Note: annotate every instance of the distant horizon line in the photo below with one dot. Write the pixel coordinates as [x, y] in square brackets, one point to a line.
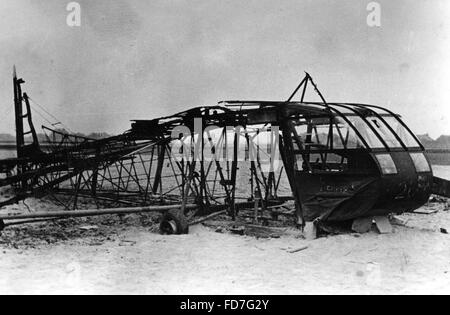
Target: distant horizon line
[112, 134]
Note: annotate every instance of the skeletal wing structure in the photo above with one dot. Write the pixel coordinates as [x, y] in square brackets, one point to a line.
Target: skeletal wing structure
[336, 161]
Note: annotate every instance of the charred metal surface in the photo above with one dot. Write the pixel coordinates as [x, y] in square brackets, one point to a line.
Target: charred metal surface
[441, 187]
[342, 161]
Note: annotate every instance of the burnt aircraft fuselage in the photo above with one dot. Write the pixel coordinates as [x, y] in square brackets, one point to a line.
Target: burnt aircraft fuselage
[358, 161]
[346, 161]
[343, 161]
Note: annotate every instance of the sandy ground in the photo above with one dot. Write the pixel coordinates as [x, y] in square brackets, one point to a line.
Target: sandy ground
[127, 256]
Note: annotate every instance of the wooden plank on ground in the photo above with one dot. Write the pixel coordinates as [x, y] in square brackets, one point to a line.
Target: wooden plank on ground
[383, 225]
[426, 211]
[441, 187]
[263, 231]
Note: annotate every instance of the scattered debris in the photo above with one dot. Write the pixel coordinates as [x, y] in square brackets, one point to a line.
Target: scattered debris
[362, 225]
[425, 211]
[298, 250]
[437, 199]
[383, 225]
[310, 231]
[441, 187]
[397, 221]
[219, 230]
[89, 227]
[334, 228]
[127, 243]
[70, 231]
[96, 243]
[237, 230]
[263, 231]
[208, 217]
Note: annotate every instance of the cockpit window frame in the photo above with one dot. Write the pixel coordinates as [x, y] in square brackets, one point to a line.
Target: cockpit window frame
[364, 112]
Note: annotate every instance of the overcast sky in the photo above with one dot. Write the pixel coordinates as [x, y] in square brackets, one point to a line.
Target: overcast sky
[136, 59]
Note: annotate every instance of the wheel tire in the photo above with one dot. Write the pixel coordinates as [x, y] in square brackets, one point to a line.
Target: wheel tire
[174, 222]
[2, 226]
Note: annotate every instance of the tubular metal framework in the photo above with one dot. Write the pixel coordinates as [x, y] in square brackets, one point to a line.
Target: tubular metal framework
[226, 157]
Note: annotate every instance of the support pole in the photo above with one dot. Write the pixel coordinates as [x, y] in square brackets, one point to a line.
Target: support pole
[90, 213]
[20, 139]
[161, 157]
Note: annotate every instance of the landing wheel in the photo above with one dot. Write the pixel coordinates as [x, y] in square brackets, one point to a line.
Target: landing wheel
[2, 226]
[174, 222]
